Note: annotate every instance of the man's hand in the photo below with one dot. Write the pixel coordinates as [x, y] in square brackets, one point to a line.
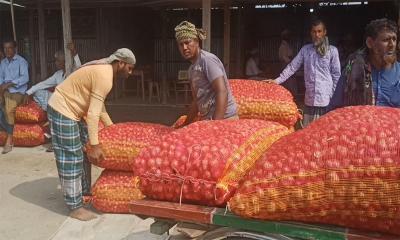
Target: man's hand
[26, 99]
[95, 153]
[270, 81]
[4, 87]
[71, 47]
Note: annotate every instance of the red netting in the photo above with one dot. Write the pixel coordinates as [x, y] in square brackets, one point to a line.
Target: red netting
[260, 100]
[25, 135]
[113, 191]
[343, 169]
[30, 113]
[203, 162]
[122, 142]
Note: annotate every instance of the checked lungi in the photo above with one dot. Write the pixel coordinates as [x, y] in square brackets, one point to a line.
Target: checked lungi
[74, 170]
[312, 113]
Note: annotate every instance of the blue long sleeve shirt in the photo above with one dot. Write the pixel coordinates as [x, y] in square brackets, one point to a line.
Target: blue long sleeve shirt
[15, 71]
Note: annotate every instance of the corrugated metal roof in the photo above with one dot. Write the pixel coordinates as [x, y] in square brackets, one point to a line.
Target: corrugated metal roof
[164, 3]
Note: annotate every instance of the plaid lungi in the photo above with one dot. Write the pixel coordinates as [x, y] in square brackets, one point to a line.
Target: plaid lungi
[74, 170]
[312, 113]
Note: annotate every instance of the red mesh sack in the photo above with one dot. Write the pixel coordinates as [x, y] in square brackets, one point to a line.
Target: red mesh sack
[203, 162]
[113, 191]
[260, 100]
[122, 142]
[30, 113]
[343, 169]
[3, 137]
[28, 135]
[179, 122]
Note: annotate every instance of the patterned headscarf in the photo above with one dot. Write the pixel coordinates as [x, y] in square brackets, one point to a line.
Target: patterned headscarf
[322, 47]
[187, 30]
[122, 54]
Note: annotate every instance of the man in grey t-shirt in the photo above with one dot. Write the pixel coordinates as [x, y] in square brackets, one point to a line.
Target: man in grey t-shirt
[212, 96]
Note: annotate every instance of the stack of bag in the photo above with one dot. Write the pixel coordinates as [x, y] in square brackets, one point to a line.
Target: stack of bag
[343, 169]
[28, 129]
[122, 143]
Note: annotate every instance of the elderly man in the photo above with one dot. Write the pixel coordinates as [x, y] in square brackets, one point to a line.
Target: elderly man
[40, 92]
[372, 76]
[212, 97]
[81, 95]
[321, 72]
[14, 78]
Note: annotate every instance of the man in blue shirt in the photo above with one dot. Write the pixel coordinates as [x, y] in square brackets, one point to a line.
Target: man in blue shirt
[14, 78]
[373, 74]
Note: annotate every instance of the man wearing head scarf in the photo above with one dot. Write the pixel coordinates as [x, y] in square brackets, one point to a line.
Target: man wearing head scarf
[212, 97]
[321, 72]
[81, 95]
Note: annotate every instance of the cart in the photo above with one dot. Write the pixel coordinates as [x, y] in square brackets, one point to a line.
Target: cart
[217, 223]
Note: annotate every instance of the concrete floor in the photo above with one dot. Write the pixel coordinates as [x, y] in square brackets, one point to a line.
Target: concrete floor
[31, 202]
[32, 206]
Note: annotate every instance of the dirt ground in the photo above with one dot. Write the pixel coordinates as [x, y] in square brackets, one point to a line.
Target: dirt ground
[31, 202]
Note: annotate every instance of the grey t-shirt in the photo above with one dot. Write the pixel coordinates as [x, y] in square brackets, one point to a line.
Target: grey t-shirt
[202, 73]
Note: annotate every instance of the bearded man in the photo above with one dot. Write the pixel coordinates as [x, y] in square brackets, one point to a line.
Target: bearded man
[373, 73]
[80, 96]
[321, 72]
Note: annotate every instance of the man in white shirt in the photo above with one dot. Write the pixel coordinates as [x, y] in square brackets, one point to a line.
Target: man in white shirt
[285, 57]
[252, 70]
[40, 91]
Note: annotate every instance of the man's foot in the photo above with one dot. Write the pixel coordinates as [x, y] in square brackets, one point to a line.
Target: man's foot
[7, 149]
[82, 214]
[50, 148]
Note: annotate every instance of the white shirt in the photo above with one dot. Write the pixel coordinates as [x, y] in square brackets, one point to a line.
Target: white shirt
[57, 78]
[252, 68]
[285, 53]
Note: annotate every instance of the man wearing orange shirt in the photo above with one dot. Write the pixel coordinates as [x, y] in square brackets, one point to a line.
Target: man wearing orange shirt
[82, 94]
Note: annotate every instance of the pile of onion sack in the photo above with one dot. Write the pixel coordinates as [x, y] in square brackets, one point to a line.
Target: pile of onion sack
[113, 191]
[121, 144]
[28, 128]
[343, 169]
[266, 101]
[203, 162]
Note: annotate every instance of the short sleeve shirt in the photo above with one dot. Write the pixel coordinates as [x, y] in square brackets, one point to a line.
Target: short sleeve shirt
[202, 73]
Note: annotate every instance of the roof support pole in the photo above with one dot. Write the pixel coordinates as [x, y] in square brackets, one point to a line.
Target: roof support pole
[42, 40]
[66, 21]
[164, 84]
[227, 36]
[206, 17]
[13, 19]
[239, 66]
[32, 41]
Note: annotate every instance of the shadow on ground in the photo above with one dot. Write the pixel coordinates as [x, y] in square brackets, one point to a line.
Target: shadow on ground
[44, 192]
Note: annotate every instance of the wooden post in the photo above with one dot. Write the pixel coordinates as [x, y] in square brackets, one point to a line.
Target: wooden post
[164, 84]
[66, 21]
[32, 47]
[206, 19]
[13, 19]
[42, 41]
[239, 67]
[227, 36]
[99, 32]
